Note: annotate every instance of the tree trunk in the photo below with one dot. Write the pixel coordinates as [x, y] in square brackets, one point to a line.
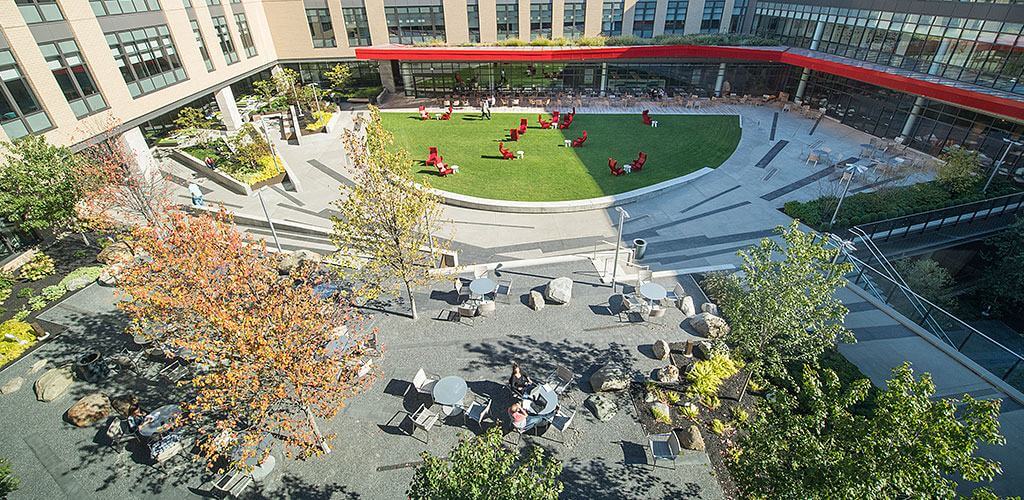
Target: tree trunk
[85, 239]
[746, 382]
[412, 300]
[316, 430]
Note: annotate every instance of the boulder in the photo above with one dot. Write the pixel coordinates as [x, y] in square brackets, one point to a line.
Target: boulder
[603, 406]
[686, 306]
[559, 290]
[668, 374]
[115, 253]
[702, 350]
[12, 385]
[661, 349]
[89, 410]
[125, 404]
[78, 283]
[38, 365]
[709, 325]
[662, 409]
[609, 378]
[53, 383]
[691, 438]
[109, 274]
[291, 260]
[536, 300]
[709, 307]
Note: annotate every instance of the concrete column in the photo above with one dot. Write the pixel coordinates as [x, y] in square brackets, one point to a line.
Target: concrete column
[659, 17]
[592, 19]
[524, 20]
[819, 30]
[915, 112]
[694, 12]
[228, 108]
[628, 15]
[387, 77]
[726, 16]
[488, 20]
[377, 21]
[720, 80]
[136, 144]
[802, 86]
[456, 21]
[604, 78]
[557, 19]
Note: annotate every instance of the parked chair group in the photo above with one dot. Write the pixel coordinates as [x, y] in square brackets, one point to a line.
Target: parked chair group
[543, 124]
[513, 134]
[433, 158]
[638, 163]
[615, 168]
[522, 126]
[645, 116]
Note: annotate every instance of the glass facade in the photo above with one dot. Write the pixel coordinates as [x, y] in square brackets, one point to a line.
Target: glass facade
[20, 112]
[356, 26]
[675, 17]
[201, 43]
[611, 18]
[147, 58]
[507, 15]
[739, 10]
[573, 20]
[227, 46]
[409, 25]
[711, 18]
[540, 19]
[473, 20]
[73, 77]
[321, 29]
[364, 73]
[114, 7]
[242, 25]
[39, 11]
[643, 18]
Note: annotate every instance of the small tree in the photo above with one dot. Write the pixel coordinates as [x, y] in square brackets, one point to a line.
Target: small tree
[192, 120]
[339, 76]
[250, 149]
[275, 356]
[8, 481]
[40, 185]
[812, 445]
[389, 221]
[481, 467]
[1003, 275]
[788, 311]
[928, 279]
[961, 171]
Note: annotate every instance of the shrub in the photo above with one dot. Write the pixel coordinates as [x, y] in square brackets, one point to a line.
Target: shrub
[11, 349]
[739, 414]
[26, 293]
[661, 416]
[91, 272]
[722, 287]
[707, 376]
[719, 427]
[322, 118]
[20, 315]
[961, 170]
[38, 268]
[672, 397]
[6, 285]
[36, 303]
[52, 292]
[690, 411]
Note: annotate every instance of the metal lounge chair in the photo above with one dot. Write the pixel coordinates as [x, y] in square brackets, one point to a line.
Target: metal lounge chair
[504, 290]
[562, 421]
[561, 379]
[479, 408]
[664, 447]
[423, 419]
[424, 383]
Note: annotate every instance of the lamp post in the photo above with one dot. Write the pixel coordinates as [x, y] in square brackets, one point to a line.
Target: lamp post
[316, 97]
[848, 178]
[999, 164]
[618, 242]
[259, 193]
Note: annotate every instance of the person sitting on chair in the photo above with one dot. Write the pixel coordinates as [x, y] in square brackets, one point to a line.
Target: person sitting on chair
[518, 382]
[522, 420]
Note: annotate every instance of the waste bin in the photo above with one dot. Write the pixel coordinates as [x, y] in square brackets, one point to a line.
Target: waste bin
[639, 248]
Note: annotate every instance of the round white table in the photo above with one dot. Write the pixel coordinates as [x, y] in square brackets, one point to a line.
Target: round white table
[482, 286]
[158, 420]
[652, 291]
[540, 394]
[450, 391]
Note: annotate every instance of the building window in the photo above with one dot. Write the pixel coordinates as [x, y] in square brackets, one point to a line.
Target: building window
[212, 3]
[540, 19]
[201, 43]
[739, 11]
[573, 20]
[187, 3]
[611, 19]
[711, 20]
[245, 35]
[39, 11]
[73, 77]
[147, 58]
[675, 17]
[409, 25]
[20, 113]
[321, 29]
[356, 25]
[220, 25]
[473, 20]
[507, 15]
[643, 18]
[113, 7]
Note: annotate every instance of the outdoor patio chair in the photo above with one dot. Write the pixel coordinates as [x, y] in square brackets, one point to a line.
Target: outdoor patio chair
[480, 273]
[119, 433]
[486, 309]
[664, 447]
[423, 419]
[424, 383]
[468, 311]
[561, 422]
[232, 483]
[504, 291]
[477, 410]
[643, 276]
[461, 289]
[578, 142]
[174, 371]
[562, 379]
[615, 168]
[675, 295]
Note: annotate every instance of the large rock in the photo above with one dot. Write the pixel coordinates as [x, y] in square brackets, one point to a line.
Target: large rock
[686, 306]
[109, 274]
[668, 374]
[559, 290]
[12, 385]
[691, 439]
[38, 365]
[709, 307]
[536, 300]
[115, 253]
[89, 410]
[53, 383]
[661, 349]
[125, 404]
[609, 378]
[709, 325]
[603, 406]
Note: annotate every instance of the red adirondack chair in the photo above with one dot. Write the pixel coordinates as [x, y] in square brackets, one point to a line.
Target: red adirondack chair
[638, 163]
[448, 114]
[423, 113]
[443, 170]
[578, 142]
[615, 168]
[522, 126]
[506, 154]
[543, 124]
[433, 158]
[554, 116]
[513, 134]
[566, 122]
[646, 117]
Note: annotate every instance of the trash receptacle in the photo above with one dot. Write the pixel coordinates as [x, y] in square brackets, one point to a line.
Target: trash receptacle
[639, 248]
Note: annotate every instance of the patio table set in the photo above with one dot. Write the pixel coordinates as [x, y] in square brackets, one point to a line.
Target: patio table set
[478, 298]
[649, 300]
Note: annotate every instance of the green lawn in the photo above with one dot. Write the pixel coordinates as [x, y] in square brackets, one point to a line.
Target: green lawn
[550, 172]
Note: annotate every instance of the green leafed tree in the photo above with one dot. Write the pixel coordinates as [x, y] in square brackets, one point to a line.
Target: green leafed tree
[8, 481]
[788, 311]
[39, 184]
[388, 221]
[191, 120]
[339, 76]
[481, 467]
[961, 171]
[810, 445]
[1003, 276]
[928, 279]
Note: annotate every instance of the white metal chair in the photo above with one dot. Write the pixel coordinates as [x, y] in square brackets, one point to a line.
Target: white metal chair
[424, 383]
[562, 421]
[477, 410]
[664, 447]
[468, 311]
[675, 295]
[423, 419]
[504, 291]
[460, 289]
[561, 379]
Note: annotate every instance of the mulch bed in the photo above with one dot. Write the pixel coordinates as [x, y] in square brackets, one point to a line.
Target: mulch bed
[68, 253]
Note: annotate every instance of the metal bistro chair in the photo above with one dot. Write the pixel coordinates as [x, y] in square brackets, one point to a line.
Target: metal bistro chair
[675, 295]
[423, 419]
[477, 410]
[562, 379]
[424, 383]
[664, 447]
[504, 291]
[232, 483]
[468, 311]
[561, 422]
[461, 289]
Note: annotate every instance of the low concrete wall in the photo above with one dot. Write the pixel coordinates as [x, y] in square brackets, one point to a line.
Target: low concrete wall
[224, 180]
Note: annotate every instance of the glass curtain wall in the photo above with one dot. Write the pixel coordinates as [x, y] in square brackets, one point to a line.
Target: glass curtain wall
[643, 18]
[711, 18]
[356, 26]
[611, 18]
[675, 17]
[507, 15]
[473, 20]
[540, 19]
[573, 20]
[410, 25]
[321, 28]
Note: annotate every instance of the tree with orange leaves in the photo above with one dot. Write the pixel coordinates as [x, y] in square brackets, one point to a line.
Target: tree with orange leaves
[271, 355]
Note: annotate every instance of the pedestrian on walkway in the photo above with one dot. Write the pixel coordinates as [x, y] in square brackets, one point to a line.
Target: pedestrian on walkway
[197, 195]
[485, 109]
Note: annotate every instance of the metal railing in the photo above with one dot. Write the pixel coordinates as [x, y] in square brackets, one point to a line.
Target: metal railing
[966, 213]
[987, 352]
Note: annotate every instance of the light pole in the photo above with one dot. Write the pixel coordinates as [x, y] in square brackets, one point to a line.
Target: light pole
[618, 242]
[259, 193]
[316, 97]
[270, 144]
[999, 164]
[848, 177]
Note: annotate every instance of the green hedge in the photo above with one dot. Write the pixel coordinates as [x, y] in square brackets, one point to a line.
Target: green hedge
[862, 208]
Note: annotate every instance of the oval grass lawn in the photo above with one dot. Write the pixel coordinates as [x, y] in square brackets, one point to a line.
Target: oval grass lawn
[681, 144]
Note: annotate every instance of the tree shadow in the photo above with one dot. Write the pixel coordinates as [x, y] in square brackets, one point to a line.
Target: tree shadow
[295, 487]
[598, 478]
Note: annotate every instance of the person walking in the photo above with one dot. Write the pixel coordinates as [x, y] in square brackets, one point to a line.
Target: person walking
[485, 109]
[197, 195]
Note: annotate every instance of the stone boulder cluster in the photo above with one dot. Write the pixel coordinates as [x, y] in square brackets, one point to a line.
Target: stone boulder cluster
[608, 378]
[710, 325]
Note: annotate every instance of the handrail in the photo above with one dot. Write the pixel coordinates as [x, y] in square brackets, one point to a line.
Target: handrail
[961, 209]
[951, 207]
